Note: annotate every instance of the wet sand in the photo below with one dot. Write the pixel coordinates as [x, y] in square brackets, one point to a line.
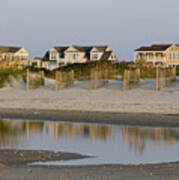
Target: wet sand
[13, 166]
[169, 171]
[10, 157]
[139, 119]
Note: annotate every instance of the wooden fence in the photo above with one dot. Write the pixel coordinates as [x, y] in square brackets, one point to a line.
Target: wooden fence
[113, 73]
[34, 79]
[131, 78]
[98, 78]
[164, 77]
[64, 79]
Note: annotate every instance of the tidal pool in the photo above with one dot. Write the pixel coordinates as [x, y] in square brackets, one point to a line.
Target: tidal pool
[108, 144]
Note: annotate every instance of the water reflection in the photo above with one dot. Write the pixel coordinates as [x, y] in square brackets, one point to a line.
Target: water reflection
[71, 130]
[15, 133]
[10, 132]
[137, 138]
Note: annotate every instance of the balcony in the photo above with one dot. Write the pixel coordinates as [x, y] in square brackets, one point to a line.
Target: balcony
[155, 59]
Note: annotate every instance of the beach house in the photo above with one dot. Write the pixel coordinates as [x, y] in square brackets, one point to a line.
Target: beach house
[7, 52]
[162, 54]
[79, 54]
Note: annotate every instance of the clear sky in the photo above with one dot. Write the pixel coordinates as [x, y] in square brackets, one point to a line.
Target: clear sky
[124, 25]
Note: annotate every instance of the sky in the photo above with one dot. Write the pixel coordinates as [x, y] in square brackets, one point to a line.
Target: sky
[123, 25]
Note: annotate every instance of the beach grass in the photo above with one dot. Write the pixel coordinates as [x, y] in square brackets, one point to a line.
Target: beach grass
[8, 73]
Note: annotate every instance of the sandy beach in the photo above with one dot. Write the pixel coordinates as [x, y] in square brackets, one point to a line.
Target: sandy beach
[142, 99]
[139, 106]
[12, 167]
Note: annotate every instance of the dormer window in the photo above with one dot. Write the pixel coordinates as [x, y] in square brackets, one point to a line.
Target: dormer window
[53, 56]
[95, 56]
[112, 57]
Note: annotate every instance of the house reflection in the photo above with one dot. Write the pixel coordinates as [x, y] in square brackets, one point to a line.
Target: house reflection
[138, 137]
[71, 130]
[14, 133]
[34, 127]
[10, 132]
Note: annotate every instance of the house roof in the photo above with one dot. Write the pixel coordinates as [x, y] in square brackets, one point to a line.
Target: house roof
[46, 56]
[101, 48]
[61, 48]
[106, 55]
[154, 47]
[89, 48]
[83, 48]
[7, 49]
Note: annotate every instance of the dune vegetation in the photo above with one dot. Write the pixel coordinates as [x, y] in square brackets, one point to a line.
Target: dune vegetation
[82, 71]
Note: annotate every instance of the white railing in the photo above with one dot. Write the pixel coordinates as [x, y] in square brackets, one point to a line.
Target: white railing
[155, 59]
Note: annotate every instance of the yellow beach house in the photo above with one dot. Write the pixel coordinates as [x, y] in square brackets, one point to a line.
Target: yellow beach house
[7, 52]
[166, 55]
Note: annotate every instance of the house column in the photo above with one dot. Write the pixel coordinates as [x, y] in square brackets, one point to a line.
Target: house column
[163, 59]
[145, 55]
[154, 59]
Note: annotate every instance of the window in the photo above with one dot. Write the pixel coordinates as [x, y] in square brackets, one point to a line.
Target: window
[95, 56]
[178, 56]
[53, 56]
[23, 57]
[170, 56]
[75, 56]
[113, 57]
[34, 63]
[174, 57]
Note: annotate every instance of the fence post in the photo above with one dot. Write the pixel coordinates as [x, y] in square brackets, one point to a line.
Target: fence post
[128, 79]
[165, 78]
[42, 74]
[157, 78]
[28, 80]
[125, 80]
[174, 73]
[57, 81]
[138, 75]
[42, 77]
[92, 79]
[72, 76]
[96, 80]
[105, 76]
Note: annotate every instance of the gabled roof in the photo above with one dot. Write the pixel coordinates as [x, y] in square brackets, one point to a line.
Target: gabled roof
[83, 48]
[46, 56]
[106, 55]
[61, 48]
[154, 47]
[6, 49]
[101, 48]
